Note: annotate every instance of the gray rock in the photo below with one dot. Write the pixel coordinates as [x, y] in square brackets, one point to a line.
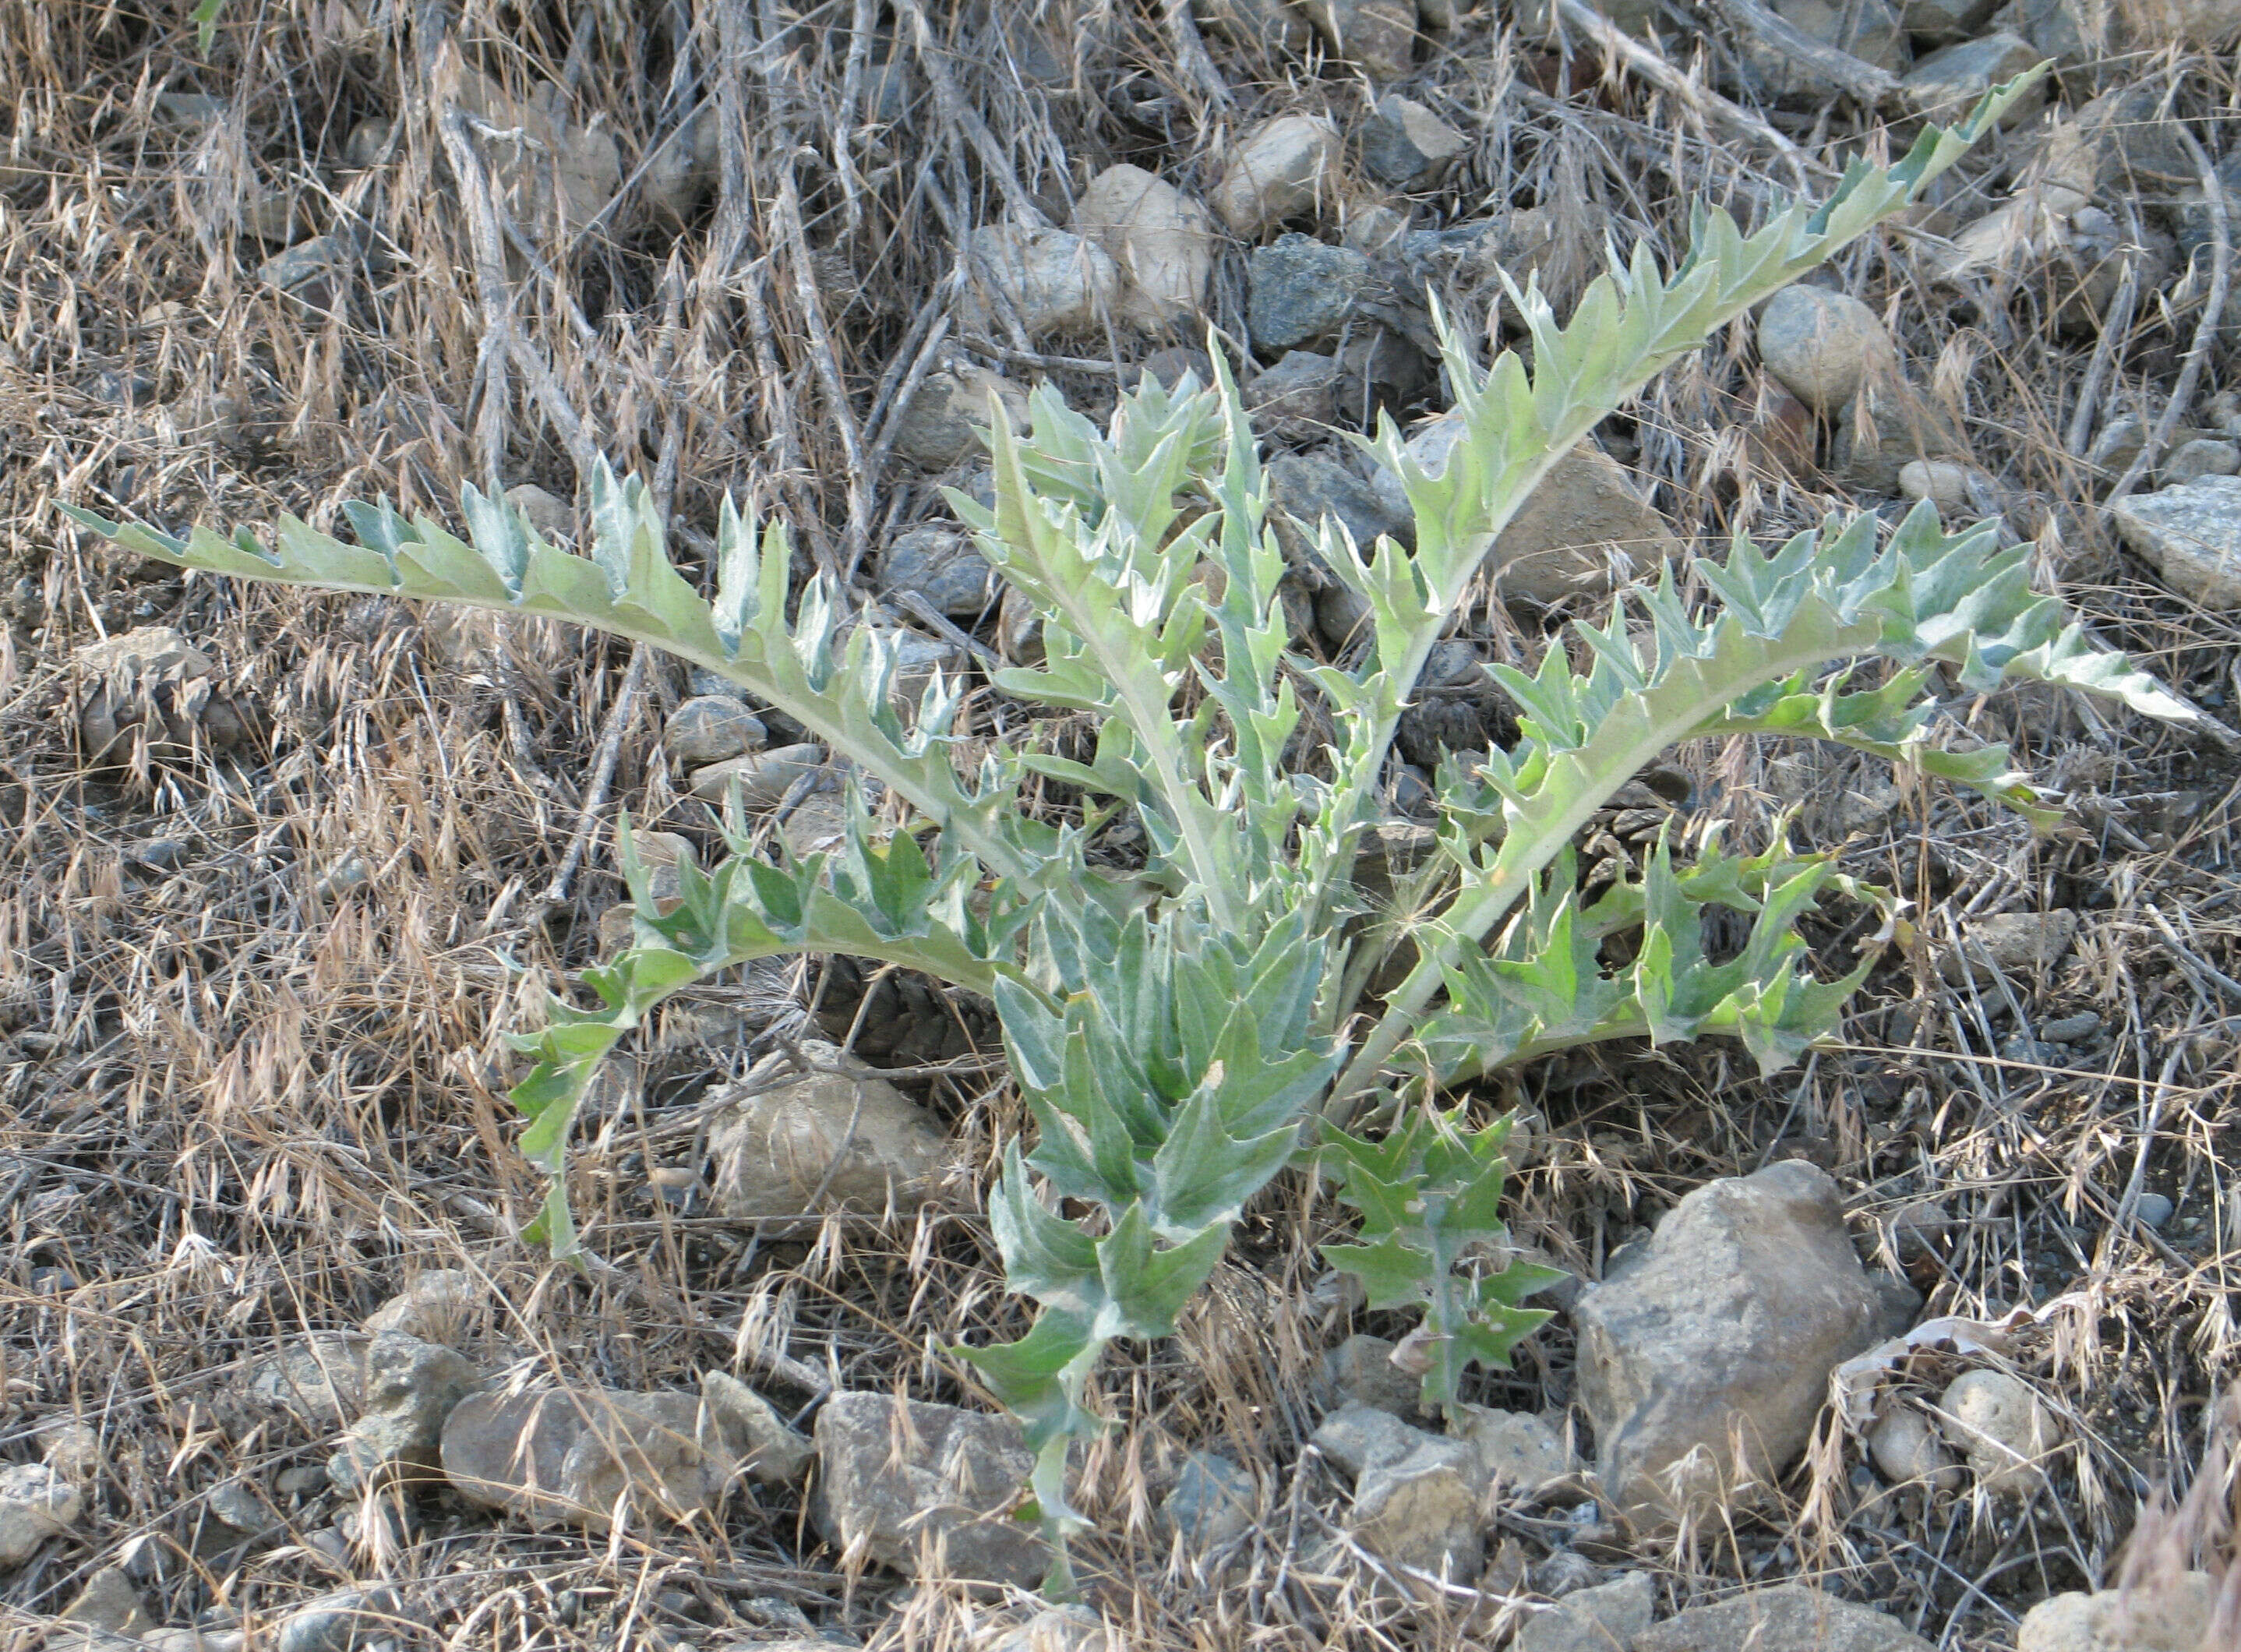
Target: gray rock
[1379, 370]
[942, 422]
[1906, 1450]
[236, 1504]
[1605, 1618]
[1377, 36]
[2191, 535]
[575, 1455]
[769, 1452]
[316, 273]
[437, 1305]
[2070, 1029]
[341, 1621]
[1342, 614]
[366, 142]
[321, 1378]
[1052, 283]
[410, 1387]
[1302, 289]
[1790, 1616]
[109, 1604]
[505, 1451]
[1704, 1355]
[1303, 491]
[1517, 1450]
[1428, 445]
[793, 1150]
[2173, 1614]
[34, 1505]
[1295, 395]
[764, 778]
[925, 1489]
[650, 1456]
[1280, 169]
[1358, 1437]
[2096, 253]
[2201, 458]
[1167, 366]
[1211, 1503]
[2006, 1431]
[1423, 1510]
[2009, 942]
[1819, 345]
[1946, 84]
[1360, 1370]
[940, 564]
[1407, 144]
[1871, 30]
[1889, 423]
[1944, 21]
[1160, 240]
[1920, 1228]
[1562, 540]
[551, 517]
[2154, 1210]
[711, 728]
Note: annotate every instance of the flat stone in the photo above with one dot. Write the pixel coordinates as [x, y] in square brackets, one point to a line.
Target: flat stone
[1871, 30]
[1407, 144]
[1704, 1355]
[505, 1451]
[1280, 169]
[927, 1490]
[1053, 283]
[793, 1150]
[581, 1456]
[1786, 1617]
[1160, 240]
[1819, 345]
[764, 778]
[1605, 1618]
[1303, 490]
[1302, 289]
[2191, 534]
[1944, 21]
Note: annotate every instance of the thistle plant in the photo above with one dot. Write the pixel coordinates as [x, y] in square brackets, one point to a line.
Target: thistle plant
[1184, 1030]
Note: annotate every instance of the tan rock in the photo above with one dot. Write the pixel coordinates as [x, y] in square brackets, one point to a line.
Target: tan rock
[2163, 1615]
[1822, 345]
[2190, 534]
[1160, 240]
[1561, 542]
[800, 1148]
[2010, 942]
[1052, 283]
[1281, 168]
[942, 423]
[1788, 1618]
[2006, 1431]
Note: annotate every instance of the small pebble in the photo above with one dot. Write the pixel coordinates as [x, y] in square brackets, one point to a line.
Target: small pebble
[2154, 1210]
[2070, 1029]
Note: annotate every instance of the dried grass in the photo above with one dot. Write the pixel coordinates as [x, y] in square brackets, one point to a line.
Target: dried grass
[242, 1097]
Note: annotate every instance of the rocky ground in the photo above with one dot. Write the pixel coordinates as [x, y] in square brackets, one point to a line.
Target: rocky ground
[1909, 1348]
